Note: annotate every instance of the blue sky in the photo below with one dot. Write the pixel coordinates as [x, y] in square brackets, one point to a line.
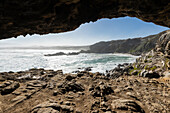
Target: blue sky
[90, 33]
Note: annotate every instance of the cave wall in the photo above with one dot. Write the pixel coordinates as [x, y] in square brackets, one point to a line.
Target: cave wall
[22, 17]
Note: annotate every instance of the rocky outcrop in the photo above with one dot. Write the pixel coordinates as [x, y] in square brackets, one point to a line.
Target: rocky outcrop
[155, 63]
[62, 53]
[135, 46]
[49, 16]
[55, 92]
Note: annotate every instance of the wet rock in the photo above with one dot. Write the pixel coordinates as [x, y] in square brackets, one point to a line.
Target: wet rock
[88, 69]
[77, 71]
[80, 74]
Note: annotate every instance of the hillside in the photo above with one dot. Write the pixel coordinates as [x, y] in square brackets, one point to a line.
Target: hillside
[135, 46]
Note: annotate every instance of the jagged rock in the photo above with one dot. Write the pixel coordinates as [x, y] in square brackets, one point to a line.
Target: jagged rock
[126, 105]
[9, 89]
[71, 86]
[80, 74]
[7, 83]
[2, 85]
[62, 16]
[101, 90]
[135, 72]
[88, 69]
[2, 79]
[150, 74]
[70, 77]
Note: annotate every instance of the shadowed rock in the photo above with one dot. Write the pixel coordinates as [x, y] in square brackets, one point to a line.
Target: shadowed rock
[48, 16]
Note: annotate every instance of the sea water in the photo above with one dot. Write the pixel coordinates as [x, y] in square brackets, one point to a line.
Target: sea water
[24, 59]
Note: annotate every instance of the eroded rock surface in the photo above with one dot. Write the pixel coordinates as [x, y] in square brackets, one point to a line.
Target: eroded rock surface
[90, 92]
[18, 17]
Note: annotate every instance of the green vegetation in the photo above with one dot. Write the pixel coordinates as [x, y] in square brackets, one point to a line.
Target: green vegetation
[149, 56]
[153, 68]
[146, 67]
[135, 68]
[166, 62]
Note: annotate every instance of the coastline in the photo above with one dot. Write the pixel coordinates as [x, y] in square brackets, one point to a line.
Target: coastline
[45, 90]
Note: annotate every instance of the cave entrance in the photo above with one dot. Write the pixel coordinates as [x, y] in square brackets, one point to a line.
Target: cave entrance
[104, 36]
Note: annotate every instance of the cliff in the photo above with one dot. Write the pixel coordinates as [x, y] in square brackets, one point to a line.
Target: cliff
[135, 46]
[157, 61]
[153, 64]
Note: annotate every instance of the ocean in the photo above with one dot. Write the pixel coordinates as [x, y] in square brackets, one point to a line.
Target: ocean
[25, 59]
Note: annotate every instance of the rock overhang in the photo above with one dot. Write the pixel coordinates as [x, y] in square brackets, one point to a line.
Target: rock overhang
[54, 16]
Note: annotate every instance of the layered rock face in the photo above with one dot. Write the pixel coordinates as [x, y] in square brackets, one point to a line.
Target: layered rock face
[18, 17]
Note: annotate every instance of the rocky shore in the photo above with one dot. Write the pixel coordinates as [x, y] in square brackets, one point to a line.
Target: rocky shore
[62, 53]
[48, 91]
[142, 87]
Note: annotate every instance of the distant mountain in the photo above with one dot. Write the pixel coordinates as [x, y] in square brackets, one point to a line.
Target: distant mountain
[50, 47]
[135, 46]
